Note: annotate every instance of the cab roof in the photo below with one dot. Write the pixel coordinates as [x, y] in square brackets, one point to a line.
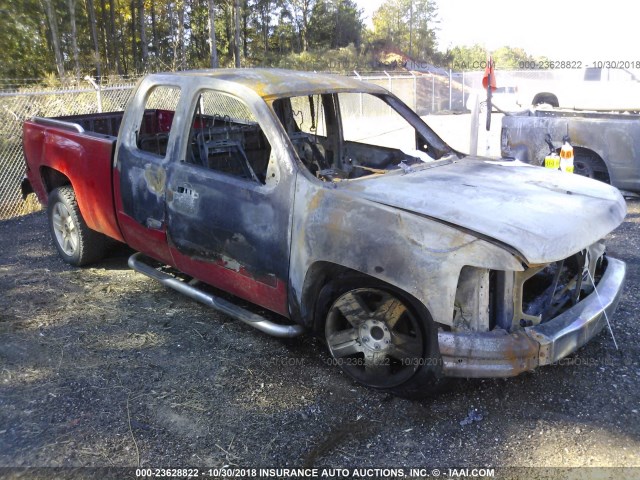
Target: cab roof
[277, 83]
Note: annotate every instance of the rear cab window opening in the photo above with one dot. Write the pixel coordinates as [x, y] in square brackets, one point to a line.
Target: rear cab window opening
[226, 137]
[155, 126]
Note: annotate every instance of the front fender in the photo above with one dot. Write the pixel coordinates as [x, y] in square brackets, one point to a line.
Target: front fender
[420, 256]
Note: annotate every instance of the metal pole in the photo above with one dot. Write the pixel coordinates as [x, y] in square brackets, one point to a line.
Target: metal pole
[463, 104]
[361, 100]
[433, 93]
[450, 91]
[475, 120]
[389, 76]
[415, 91]
[98, 91]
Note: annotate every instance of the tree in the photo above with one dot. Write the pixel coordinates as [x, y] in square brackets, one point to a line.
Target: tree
[468, 58]
[24, 40]
[263, 19]
[348, 23]
[103, 35]
[130, 36]
[335, 24]
[301, 12]
[508, 58]
[55, 37]
[94, 36]
[407, 25]
[212, 35]
[132, 30]
[74, 37]
[114, 38]
[179, 51]
[236, 30]
[143, 33]
[423, 26]
[475, 57]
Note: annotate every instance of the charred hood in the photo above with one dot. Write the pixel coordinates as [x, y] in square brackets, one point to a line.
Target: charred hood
[545, 215]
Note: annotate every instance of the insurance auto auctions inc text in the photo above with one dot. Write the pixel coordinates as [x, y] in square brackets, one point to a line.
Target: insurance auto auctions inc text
[356, 472]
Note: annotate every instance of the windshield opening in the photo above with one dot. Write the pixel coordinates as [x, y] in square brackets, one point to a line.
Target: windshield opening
[346, 136]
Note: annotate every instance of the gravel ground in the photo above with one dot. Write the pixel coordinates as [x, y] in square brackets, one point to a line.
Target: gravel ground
[104, 367]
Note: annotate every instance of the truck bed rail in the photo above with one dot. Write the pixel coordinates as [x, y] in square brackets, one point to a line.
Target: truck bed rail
[52, 122]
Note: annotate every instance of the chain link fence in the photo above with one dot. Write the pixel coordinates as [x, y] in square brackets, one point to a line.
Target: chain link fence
[16, 107]
[426, 93]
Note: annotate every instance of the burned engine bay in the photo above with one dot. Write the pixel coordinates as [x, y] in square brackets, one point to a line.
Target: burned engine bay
[488, 299]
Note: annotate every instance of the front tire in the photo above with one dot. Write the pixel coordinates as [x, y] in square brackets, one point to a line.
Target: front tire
[377, 336]
[76, 243]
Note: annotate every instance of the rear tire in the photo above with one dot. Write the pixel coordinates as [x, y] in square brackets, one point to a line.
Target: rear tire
[589, 165]
[380, 337]
[76, 243]
[545, 99]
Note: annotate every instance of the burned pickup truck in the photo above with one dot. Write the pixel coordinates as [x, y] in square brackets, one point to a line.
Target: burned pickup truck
[606, 144]
[330, 203]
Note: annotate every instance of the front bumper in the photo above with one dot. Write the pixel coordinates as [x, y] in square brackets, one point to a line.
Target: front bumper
[502, 354]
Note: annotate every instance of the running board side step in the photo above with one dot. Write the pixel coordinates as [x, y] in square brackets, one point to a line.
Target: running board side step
[217, 303]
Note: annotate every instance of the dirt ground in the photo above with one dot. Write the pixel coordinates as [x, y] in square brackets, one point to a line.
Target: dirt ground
[103, 367]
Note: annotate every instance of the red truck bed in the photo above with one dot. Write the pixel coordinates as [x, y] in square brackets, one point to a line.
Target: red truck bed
[60, 151]
[79, 150]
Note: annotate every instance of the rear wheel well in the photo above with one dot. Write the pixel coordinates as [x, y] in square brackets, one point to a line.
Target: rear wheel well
[76, 243]
[545, 97]
[53, 179]
[589, 164]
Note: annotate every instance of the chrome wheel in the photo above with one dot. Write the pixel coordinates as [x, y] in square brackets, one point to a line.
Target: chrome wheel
[76, 243]
[65, 229]
[375, 337]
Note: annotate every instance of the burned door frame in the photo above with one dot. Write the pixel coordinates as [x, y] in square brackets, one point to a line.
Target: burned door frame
[140, 176]
[230, 232]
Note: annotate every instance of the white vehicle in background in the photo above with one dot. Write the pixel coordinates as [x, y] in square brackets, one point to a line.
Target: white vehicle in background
[599, 89]
[503, 99]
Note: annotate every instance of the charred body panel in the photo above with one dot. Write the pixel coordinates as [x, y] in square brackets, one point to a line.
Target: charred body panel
[499, 353]
[230, 231]
[610, 142]
[564, 213]
[488, 266]
[420, 256]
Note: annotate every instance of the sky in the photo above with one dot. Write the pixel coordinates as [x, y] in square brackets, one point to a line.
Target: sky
[569, 30]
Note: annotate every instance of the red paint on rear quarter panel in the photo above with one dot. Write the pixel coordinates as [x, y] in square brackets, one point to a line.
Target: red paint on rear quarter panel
[85, 160]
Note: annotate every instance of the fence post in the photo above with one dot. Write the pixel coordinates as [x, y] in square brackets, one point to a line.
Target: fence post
[415, 92]
[98, 91]
[388, 76]
[433, 93]
[361, 100]
[475, 120]
[450, 92]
